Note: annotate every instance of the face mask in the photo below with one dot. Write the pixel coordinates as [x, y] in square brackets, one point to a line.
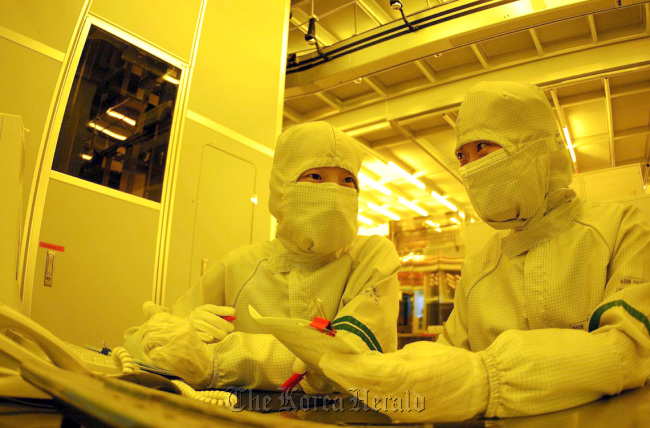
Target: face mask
[320, 218]
[507, 191]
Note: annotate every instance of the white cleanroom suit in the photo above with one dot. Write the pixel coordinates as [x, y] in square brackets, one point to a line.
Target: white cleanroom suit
[555, 310]
[316, 255]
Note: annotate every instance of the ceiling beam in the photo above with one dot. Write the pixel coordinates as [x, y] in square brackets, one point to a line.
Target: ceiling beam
[610, 121]
[450, 119]
[292, 114]
[536, 41]
[480, 55]
[426, 69]
[301, 20]
[592, 29]
[376, 85]
[374, 11]
[434, 153]
[330, 99]
[632, 132]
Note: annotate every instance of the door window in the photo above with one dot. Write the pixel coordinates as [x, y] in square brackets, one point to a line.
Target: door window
[116, 127]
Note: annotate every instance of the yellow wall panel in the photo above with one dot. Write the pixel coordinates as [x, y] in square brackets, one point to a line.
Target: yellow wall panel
[167, 24]
[239, 65]
[46, 21]
[26, 90]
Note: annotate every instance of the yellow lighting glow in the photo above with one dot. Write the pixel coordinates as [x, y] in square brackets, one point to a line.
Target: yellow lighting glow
[106, 131]
[364, 220]
[443, 201]
[171, 79]
[412, 206]
[86, 157]
[417, 183]
[367, 129]
[121, 117]
[381, 230]
[364, 179]
[570, 144]
[383, 211]
[432, 224]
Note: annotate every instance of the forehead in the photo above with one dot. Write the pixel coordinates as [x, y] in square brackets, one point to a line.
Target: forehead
[331, 169]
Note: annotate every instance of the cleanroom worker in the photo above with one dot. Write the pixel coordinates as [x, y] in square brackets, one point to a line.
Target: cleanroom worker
[553, 311]
[317, 255]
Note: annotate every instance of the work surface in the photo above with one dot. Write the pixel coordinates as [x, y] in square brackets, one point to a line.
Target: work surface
[630, 409]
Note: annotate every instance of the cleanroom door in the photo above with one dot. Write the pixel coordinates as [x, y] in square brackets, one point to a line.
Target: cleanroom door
[224, 208]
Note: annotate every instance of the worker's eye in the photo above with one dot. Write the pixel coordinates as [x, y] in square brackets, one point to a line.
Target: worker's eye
[348, 180]
[460, 156]
[481, 146]
[311, 176]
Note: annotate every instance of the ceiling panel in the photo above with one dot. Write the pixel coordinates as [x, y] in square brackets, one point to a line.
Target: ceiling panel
[631, 111]
[399, 74]
[351, 90]
[630, 149]
[592, 157]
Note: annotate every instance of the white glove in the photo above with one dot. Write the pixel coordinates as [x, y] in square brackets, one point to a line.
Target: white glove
[444, 383]
[312, 383]
[149, 309]
[208, 323]
[173, 344]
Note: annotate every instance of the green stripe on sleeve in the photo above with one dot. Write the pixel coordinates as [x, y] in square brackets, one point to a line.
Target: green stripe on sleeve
[352, 325]
[594, 322]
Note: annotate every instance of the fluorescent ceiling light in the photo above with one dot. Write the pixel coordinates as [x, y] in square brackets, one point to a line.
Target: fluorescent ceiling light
[412, 206]
[106, 131]
[407, 176]
[454, 220]
[438, 230]
[364, 220]
[461, 214]
[171, 79]
[432, 224]
[120, 116]
[570, 144]
[364, 179]
[383, 211]
[254, 199]
[86, 157]
[443, 201]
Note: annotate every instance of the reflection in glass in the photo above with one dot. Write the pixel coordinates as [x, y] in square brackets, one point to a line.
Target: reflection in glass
[116, 126]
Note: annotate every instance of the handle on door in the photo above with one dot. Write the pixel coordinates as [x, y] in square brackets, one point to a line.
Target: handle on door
[49, 268]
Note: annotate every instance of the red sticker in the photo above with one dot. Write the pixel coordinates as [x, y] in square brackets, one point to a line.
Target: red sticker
[51, 246]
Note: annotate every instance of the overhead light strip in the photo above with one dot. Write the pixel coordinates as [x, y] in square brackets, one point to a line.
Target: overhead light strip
[412, 206]
[383, 211]
[417, 183]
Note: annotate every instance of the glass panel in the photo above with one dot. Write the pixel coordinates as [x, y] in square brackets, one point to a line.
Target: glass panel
[116, 127]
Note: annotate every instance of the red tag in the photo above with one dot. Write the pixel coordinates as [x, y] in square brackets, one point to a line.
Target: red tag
[324, 325]
[51, 246]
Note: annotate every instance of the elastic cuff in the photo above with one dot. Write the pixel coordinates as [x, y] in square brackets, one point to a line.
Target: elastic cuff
[494, 383]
